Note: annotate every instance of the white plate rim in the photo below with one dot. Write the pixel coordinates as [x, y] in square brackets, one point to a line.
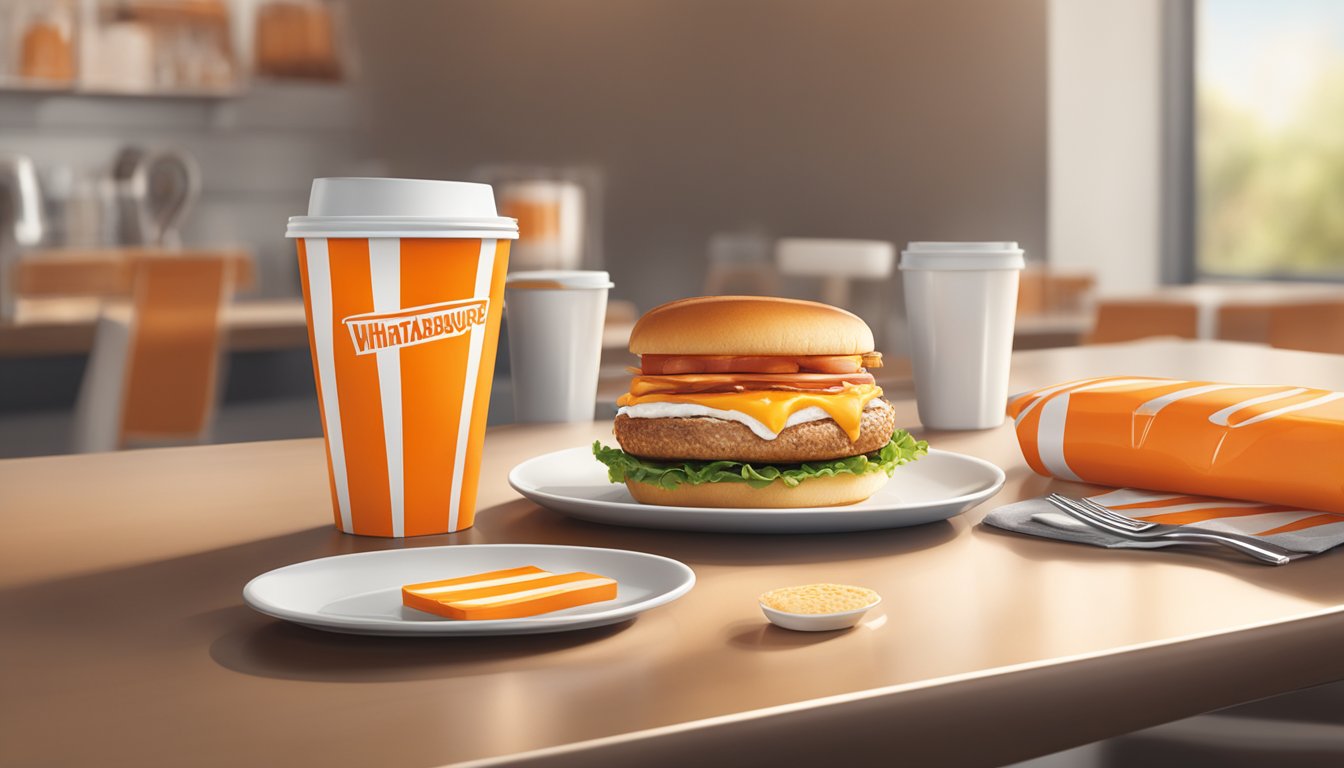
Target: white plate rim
[482, 627]
[974, 497]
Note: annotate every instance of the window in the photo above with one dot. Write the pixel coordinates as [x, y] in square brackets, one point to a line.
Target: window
[1269, 138]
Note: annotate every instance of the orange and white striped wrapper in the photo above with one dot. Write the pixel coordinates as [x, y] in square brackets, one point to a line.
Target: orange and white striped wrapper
[1279, 445]
[403, 333]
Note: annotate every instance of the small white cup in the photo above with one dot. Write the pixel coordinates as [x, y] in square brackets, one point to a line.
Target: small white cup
[960, 304]
[555, 321]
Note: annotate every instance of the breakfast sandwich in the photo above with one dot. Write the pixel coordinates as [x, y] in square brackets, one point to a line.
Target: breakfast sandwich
[744, 401]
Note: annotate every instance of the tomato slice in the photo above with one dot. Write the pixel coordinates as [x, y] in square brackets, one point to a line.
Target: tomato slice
[742, 382]
[674, 365]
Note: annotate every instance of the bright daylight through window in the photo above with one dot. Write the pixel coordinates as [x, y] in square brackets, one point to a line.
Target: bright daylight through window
[1270, 138]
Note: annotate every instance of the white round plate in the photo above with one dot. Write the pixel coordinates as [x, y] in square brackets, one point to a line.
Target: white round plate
[935, 487]
[360, 594]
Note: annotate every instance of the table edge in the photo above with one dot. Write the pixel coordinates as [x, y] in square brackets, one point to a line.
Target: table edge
[766, 716]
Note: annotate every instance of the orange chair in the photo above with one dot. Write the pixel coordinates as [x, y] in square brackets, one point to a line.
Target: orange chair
[1031, 292]
[153, 372]
[1313, 327]
[1070, 292]
[1244, 322]
[1130, 320]
[1043, 291]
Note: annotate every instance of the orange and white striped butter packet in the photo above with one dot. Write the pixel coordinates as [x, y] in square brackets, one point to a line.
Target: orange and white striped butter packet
[508, 594]
[403, 285]
[1280, 445]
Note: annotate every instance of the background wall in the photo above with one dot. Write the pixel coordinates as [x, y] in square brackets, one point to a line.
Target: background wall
[1105, 141]
[896, 120]
[258, 154]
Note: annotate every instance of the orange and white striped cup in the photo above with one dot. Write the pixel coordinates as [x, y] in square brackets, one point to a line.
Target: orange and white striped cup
[403, 284]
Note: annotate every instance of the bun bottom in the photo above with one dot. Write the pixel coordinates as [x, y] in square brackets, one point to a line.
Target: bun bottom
[835, 491]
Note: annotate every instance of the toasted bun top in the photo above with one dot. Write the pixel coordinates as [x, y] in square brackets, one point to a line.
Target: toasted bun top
[749, 325]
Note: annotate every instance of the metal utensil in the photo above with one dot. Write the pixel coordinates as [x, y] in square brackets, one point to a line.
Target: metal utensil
[171, 181]
[1113, 522]
[129, 182]
[21, 221]
[155, 191]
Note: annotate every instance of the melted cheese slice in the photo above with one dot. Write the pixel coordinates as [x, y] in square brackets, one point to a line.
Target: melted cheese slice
[773, 408]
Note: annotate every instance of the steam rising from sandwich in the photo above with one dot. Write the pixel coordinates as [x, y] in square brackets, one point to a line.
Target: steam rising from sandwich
[744, 401]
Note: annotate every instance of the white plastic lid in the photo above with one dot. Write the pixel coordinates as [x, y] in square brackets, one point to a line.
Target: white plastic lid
[372, 207]
[559, 279]
[962, 256]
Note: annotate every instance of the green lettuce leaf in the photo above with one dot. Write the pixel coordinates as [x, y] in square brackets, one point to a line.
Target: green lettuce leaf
[621, 466]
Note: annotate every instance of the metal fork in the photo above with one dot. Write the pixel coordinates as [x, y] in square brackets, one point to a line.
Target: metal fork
[1113, 522]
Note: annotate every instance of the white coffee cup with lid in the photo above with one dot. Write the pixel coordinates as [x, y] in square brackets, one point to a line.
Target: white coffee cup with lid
[960, 304]
[555, 322]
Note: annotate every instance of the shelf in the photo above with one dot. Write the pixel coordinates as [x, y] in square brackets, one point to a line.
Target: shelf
[20, 87]
[16, 84]
[169, 93]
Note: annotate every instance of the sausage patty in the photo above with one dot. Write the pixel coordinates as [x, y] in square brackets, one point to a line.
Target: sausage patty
[705, 438]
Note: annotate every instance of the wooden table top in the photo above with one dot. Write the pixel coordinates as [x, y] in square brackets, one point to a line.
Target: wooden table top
[127, 643]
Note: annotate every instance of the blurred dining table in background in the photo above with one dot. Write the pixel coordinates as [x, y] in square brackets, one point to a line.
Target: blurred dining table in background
[57, 295]
[65, 326]
[1212, 299]
[1232, 311]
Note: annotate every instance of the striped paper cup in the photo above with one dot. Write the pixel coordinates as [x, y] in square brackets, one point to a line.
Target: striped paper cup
[403, 284]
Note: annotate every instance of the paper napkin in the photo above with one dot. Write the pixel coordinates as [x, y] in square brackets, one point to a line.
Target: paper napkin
[1304, 531]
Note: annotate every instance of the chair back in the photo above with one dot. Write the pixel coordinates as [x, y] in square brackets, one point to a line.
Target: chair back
[1312, 327]
[1122, 320]
[1244, 322]
[153, 372]
[1041, 291]
[175, 348]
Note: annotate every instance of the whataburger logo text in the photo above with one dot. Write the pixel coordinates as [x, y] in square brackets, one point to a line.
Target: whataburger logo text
[373, 331]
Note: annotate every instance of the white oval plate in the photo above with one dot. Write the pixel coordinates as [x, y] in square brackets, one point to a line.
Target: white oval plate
[935, 487]
[360, 594]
